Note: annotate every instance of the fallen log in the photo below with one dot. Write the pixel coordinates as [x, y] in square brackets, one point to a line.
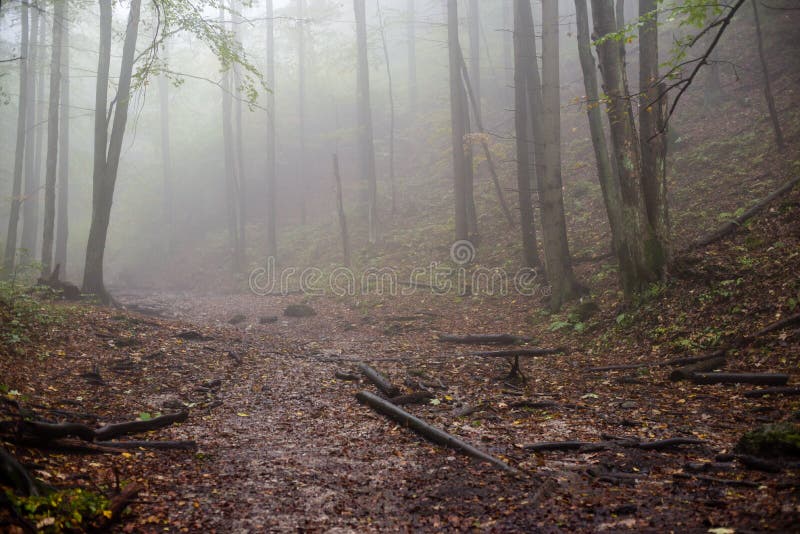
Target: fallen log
[418, 397]
[48, 431]
[427, 431]
[557, 445]
[343, 375]
[715, 480]
[732, 225]
[386, 387]
[751, 462]
[783, 323]
[688, 360]
[669, 443]
[587, 446]
[515, 352]
[115, 430]
[764, 379]
[484, 339]
[789, 392]
[687, 372]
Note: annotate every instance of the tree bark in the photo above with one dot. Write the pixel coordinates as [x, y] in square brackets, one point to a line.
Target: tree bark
[272, 232]
[62, 210]
[457, 123]
[301, 105]
[522, 36]
[773, 114]
[411, 35]
[231, 178]
[554, 225]
[366, 147]
[340, 212]
[238, 141]
[475, 52]
[108, 148]
[52, 140]
[9, 257]
[605, 172]
[166, 160]
[391, 108]
[31, 186]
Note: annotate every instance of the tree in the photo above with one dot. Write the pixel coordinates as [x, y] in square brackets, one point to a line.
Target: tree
[30, 214]
[411, 36]
[107, 148]
[366, 150]
[166, 158]
[241, 180]
[773, 114]
[391, 107]
[301, 105]
[272, 235]
[475, 50]
[19, 152]
[231, 175]
[521, 125]
[52, 141]
[62, 210]
[554, 226]
[639, 252]
[457, 123]
[605, 170]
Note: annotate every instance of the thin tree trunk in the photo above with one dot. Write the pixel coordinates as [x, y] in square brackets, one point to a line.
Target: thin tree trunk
[469, 175]
[166, 160]
[301, 105]
[606, 175]
[106, 166]
[411, 30]
[458, 128]
[19, 153]
[639, 251]
[231, 180]
[31, 186]
[554, 225]
[521, 122]
[366, 143]
[272, 235]
[241, 182]
[340, 212]
[508, 42]
[773, 114]
[62, 210]
[475, 51]
[52, 141]
[652, 122]
[391, 109]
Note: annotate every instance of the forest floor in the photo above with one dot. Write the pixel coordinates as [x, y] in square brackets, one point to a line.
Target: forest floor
[284, 445]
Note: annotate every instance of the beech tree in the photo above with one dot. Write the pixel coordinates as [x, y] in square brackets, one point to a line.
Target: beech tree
[457, 124]
[366, 148]
[62, 198]
[272, 234]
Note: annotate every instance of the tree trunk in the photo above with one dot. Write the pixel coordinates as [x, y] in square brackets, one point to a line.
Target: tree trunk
[411, 31]
[619, 14]
[652, 134]
[340, 212]
[508, 42]
[554, 225]
[475, 51]
[52, 141]
[166, 160]
[62, 211]
[521, 122]
[30, 215]
[773, 114]
[19, 153]
[639, 252]
[366, 147]
[108, 148]
[301, 105]
[241, 182]
[458, 127]
[272, 234]
[469, 175]
[231, 181]
[606, 175]
[391, 108]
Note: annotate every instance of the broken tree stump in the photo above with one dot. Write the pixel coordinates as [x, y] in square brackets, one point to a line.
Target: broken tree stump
[429, 432]
[386, 387]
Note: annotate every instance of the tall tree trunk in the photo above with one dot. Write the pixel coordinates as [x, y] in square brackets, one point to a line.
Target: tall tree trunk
[652, 123]
[62, 210]
[411, 35]
[534, 88]
[521, 124]
[301, 105]
[469, 174]
[241, 181]
[231, 191]
[475, 50]
[639, 252]
[52, 141]
[9, 256]
[365, 137]
[508, 42]
[773, 114]
[554, 225]
[166, 160]
[458, 126]
[391, 109]
[340, 212]
[272, 234]
[609, 183]
[108, 148]
[30, 216]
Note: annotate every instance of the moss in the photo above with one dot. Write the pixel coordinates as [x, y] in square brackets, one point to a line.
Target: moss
[771, 440]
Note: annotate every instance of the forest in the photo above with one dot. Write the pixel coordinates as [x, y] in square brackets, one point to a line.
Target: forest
[399, 265]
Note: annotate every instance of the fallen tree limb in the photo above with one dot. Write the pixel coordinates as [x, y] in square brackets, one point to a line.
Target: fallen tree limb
[789, 392]
[386, 387]
[418, 397]
[732, 225]
[132, 427]
[751, 462]
[48, 431]
[783, 323]
[725, 481]
[688, 360]
[587, 446]
[764, 379]
[516, 352]
[484, 339]
[557, 445]
[427, 431]
[669, 443]
[689, 371]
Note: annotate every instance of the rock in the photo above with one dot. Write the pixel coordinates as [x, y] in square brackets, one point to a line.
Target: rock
[238, 318]
[268, 319]
[771, 440]
[299, 310]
